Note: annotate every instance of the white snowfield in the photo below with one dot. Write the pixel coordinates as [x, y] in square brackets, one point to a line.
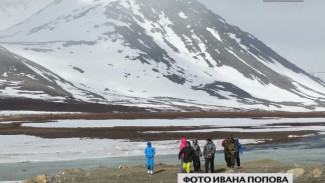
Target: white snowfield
[14, 90]
[258, 129]
[15, 113]
[22, 148]
[208, 122]
[75, 38]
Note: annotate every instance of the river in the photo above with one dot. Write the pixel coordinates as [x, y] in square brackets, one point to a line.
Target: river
[309, 150]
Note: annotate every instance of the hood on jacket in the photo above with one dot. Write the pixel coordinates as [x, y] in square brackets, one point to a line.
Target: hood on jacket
[189, 143]
[183, 142]
[148, 143]
[236, 139]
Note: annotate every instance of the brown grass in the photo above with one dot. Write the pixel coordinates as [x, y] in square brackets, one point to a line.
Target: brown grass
[163, 115]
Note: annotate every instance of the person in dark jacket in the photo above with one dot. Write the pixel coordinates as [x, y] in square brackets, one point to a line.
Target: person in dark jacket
[198, 153]
[150, 154]
[208, 155]
[224, 142]
[230, 152]
[239, 149]
[189, 155]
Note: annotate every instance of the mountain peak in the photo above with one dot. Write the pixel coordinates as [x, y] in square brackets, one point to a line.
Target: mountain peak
[171, 53]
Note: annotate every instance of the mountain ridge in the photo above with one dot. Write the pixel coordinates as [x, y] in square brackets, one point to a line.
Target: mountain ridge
[161, 54]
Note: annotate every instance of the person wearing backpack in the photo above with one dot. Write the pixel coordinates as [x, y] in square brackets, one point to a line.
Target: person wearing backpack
[238, 149]
[150, 154]
[189, 155]
[198, 153]
[230, 152]
[208, 154]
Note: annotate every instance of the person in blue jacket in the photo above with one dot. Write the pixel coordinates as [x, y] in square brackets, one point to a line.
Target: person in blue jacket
[150, 154]
[239, 149]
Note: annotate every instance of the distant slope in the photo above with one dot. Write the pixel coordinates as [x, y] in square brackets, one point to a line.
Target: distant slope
[22, 78]
[15, 11]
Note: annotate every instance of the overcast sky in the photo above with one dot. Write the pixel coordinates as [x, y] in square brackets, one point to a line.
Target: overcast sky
[295, 30]
[15, 11]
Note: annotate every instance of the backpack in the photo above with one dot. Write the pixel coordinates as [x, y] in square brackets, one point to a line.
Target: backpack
[231, 147]
[237, 146]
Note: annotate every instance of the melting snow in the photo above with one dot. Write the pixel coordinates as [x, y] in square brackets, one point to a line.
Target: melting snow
[22, 148]
[215, 33]
[14, 113]
[217, 122]
[234, 37]
[182, 15]
[90, 45]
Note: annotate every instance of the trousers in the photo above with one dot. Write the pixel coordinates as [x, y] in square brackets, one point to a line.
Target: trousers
[150, 163]
[187, 167]
[211, 162]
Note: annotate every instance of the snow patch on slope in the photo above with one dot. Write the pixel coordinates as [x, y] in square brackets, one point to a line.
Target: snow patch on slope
[214, 33]
[182, 15]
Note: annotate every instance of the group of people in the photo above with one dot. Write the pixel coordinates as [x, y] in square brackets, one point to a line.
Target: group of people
[232, 148]
[189, 153]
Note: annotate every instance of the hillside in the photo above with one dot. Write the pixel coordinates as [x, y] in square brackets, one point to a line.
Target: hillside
[171, 54]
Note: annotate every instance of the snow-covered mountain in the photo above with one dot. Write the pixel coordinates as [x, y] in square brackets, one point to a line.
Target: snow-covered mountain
[164, 54]
[24, 78]
[319, 75]
[15, 11]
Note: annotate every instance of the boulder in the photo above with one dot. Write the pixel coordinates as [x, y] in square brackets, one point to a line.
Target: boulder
[74, 171]
[39, 179]
[297, 172]
[317, 173]
[63, 173]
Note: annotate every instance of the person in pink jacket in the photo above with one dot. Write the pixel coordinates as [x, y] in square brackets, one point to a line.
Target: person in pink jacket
[183, 144]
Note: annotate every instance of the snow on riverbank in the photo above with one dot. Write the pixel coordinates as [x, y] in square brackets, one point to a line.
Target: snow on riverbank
[260, 129]
[215, 122]
[15, 113]
[22, 148]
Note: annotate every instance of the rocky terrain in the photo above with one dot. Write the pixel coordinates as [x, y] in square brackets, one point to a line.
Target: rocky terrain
[303, 173]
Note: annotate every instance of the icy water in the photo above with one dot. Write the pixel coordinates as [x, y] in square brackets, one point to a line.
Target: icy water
[311, 149]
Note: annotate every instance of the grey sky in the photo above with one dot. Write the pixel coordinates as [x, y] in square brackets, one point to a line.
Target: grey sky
[295, 30]
[15, 11]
